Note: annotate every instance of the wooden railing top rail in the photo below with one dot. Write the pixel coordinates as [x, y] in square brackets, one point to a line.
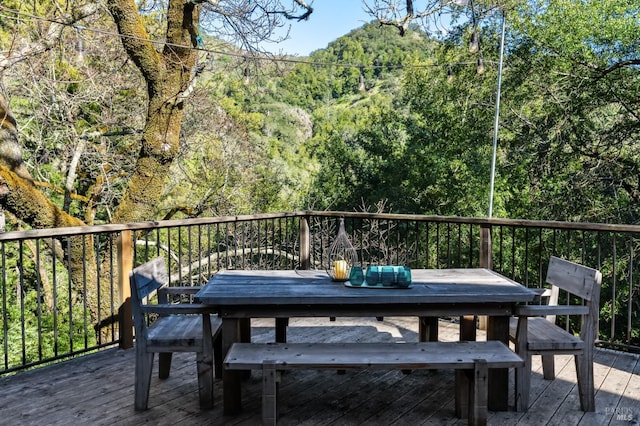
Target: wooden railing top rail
[138, 226]
[590, 226]
[86, 230]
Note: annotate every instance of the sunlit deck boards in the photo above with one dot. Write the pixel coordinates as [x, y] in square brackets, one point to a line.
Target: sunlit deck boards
[98, 389]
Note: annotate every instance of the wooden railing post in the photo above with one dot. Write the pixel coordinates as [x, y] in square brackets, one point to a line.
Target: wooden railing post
[125, 264]
[305, 263]
[305, 243]
[485, 246]
[485, 261]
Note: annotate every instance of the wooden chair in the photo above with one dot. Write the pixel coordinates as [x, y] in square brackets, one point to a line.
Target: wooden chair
[181, 327]
[536, 335]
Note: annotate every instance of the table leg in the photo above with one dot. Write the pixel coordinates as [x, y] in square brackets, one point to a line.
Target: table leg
[498, 329]
[245, 337]
[281, 329]
[427, 329]
[231, 380]
[245, 330]
[468, 328]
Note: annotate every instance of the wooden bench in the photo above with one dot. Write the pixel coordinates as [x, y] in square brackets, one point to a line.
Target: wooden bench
[473, 357]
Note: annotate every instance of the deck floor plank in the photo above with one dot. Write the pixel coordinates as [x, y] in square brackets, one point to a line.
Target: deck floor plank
[98, 389]
[612, 389]
[628, 408]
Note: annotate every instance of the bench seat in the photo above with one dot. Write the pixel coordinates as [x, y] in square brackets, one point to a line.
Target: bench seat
[474, 357]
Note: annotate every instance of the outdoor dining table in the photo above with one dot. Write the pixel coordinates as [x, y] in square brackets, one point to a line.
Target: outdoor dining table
[239, 295]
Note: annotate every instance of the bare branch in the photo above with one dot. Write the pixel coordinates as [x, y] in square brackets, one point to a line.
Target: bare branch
[249, 24]
[53, 34]
[400, 14]
[303, 17]
[618, 65]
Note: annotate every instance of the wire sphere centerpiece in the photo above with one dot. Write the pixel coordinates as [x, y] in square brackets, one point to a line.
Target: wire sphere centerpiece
[341, 256]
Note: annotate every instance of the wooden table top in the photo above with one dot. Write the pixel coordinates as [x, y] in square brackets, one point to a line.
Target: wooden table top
[313, 287]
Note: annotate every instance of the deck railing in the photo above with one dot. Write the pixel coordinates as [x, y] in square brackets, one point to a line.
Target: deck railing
[63, 290]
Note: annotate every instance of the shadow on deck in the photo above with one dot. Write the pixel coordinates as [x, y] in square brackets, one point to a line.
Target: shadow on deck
[98, 389]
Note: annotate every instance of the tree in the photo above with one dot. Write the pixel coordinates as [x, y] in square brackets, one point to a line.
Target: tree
[569, 124]
[572, 110]
[169, 75]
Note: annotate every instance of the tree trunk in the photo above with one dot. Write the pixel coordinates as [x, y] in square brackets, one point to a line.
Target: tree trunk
[168, 76]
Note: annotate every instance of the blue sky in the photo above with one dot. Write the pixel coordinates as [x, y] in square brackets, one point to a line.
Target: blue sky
[330, 20]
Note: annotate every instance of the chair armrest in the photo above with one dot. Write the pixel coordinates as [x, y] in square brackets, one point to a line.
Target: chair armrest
[164, 292]
[180, 290]
[178, 308]
[540, 293]
[542, 310]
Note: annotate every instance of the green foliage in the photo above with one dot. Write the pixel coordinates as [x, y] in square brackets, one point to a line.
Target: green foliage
[42, 320]
[425, 151]
[571, 87]
[350, 166]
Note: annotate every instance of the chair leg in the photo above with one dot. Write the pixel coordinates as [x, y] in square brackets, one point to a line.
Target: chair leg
[204, 362]
[143, 371]
[584, 372]
[164, 364]
[548, 367]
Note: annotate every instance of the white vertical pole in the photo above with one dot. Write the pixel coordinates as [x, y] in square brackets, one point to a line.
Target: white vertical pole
[497, 118]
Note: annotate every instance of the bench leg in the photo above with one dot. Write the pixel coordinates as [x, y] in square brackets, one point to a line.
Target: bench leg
[269, 393]
[231, 379]
[478, 398]
[463, 382]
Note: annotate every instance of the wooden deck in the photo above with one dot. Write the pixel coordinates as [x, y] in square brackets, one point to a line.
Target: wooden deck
[98, 389]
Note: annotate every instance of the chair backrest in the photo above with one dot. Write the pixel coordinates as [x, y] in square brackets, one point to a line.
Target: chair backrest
[580, 281]
[145, 280]
[577, 279]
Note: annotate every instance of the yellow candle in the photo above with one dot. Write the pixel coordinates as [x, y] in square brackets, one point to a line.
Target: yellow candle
[340, 269]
